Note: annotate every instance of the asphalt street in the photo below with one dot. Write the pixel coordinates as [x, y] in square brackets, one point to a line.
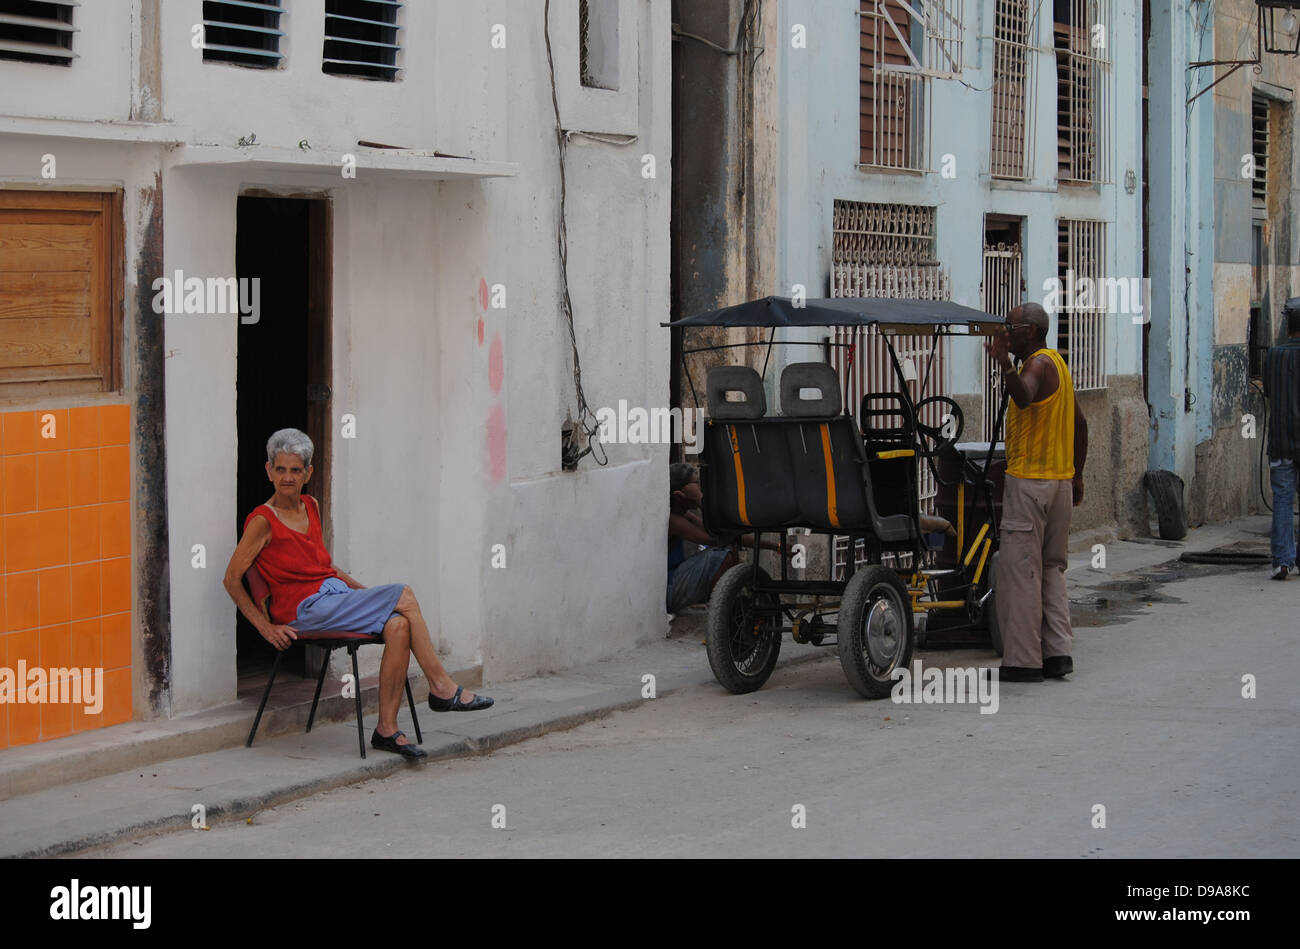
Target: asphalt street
[1151, 736]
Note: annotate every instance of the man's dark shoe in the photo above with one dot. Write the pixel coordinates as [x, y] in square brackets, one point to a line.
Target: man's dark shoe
[454, 704]
[1279, 573]
[390, 744]
[1057, 667]
[1019, 674]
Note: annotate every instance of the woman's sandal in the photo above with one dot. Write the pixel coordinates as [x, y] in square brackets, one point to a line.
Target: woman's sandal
[390, 744]
[454, 704]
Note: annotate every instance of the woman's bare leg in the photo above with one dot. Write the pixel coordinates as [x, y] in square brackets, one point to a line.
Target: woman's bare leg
[440, 683]
[392, 673]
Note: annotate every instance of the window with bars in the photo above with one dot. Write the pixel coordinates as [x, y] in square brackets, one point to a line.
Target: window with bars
[242, 32]
[1084, 296]
[903, 44]
[361, 39]
[1081, 41]
[1001, 290]
[883, 234]
[1014, 59]
[887, 250]
[1259, 135]
[37, 32]
[893, 118]
[598, 44]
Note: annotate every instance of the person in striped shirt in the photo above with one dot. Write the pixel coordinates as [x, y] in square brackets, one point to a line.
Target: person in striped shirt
[1282, 389]
[1047, 445]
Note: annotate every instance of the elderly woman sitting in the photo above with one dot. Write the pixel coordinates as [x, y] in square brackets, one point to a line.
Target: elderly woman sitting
[309, 593]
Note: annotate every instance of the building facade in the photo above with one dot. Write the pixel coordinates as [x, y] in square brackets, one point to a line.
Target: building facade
[221, 219]
[984, 151]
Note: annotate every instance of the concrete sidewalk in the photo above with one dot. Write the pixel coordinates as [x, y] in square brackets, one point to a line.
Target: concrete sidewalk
[235, 782]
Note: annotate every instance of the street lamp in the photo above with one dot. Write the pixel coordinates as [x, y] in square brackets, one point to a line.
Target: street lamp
[1279, 26]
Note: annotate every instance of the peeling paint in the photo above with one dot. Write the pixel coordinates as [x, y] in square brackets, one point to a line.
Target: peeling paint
[153, 614]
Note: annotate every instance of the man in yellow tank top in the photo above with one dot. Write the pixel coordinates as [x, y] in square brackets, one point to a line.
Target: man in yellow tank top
[1047, 445]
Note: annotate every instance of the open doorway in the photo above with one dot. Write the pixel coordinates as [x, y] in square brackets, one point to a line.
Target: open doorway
[283, 362]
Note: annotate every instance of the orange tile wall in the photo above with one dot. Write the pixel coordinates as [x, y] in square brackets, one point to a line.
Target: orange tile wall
[65, 560]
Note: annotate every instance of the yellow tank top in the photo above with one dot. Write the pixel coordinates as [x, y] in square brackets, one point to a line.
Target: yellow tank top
[1040, 438]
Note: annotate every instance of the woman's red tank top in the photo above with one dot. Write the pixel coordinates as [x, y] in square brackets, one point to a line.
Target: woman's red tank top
[294, 564]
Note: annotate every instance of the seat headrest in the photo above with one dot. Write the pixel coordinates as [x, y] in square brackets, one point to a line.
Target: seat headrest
[801, 376]
[722, 380]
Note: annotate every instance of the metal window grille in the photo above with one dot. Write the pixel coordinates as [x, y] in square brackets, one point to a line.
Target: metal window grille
[1014, 69]
[894, 113]
[242, 32]
[361, 39]
[1081, 36]
[1000, 292]
[883, 250]
[37, 32]
[1259, 147]
[892, 234]
[1258, 270]
[584, 42]
[941, 24]
[598, 27]
[1081, 328]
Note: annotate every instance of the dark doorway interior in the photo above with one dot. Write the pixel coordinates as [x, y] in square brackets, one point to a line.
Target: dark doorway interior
[283, 362]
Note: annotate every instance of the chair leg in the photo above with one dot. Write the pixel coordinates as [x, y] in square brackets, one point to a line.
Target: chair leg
[356, 678]
[415, 719]
[266, 694]
[319, 682]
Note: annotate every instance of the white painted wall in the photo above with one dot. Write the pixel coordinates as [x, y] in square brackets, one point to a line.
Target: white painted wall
[98, 83]
[586, 574]
[443, 98]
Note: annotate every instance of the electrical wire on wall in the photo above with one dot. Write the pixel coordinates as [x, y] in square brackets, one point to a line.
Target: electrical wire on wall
[586, 425]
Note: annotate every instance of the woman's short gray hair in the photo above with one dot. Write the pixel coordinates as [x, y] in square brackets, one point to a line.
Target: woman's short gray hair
[290, 441]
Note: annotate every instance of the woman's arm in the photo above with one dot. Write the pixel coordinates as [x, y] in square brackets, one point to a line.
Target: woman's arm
[256, 536]
[338, 572]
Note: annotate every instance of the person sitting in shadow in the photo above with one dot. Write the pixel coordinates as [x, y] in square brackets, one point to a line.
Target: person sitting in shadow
[691, 579]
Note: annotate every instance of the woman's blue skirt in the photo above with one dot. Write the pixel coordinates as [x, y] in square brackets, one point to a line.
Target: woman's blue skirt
[338, 606]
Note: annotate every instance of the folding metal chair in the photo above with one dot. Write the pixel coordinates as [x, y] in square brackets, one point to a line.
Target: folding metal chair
[328, 639]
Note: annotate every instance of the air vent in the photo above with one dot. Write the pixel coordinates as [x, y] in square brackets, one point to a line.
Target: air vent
[361, 38]
[37, 31]
[242, 32]
[1259, 148]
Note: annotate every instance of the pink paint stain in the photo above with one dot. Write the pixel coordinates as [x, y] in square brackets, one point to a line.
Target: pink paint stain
[496, 443]
[480, 331]
[496, 364]
[482, 293]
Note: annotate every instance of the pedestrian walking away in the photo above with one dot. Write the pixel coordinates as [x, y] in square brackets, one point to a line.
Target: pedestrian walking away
[1282, 389]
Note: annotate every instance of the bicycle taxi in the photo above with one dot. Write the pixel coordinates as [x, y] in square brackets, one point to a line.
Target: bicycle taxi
[815, 469]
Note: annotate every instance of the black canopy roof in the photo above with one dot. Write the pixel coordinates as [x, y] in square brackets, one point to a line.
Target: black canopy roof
[849, 311]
